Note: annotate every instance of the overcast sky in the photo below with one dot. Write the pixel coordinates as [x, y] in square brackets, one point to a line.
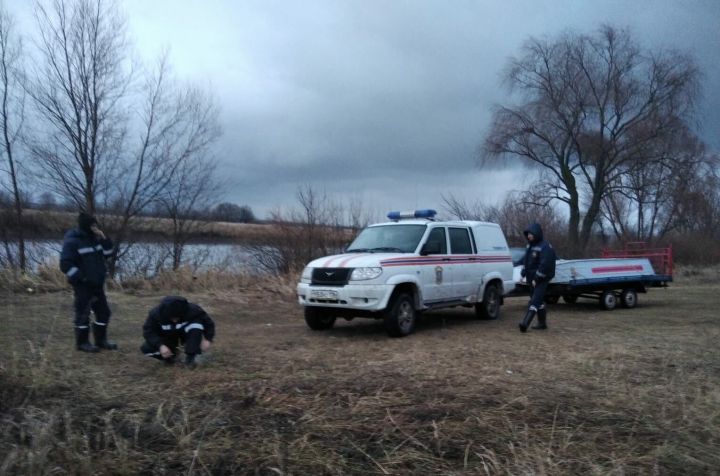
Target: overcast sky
[384, 101]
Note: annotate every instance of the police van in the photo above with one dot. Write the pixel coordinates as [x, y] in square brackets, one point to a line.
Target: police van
[395, 270]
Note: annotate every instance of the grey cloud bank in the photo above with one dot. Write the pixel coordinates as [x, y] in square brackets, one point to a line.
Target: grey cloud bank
[386, 101]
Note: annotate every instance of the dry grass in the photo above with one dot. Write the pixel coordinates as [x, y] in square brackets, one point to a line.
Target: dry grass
[623, 392]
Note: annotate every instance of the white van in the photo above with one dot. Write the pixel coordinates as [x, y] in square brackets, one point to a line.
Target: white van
[394, 270]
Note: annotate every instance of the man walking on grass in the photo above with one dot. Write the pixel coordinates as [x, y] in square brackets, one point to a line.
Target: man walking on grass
[82, 259]
[538, 270]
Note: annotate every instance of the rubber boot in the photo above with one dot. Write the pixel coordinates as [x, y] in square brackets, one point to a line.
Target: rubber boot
[100, 333]
[82, 341]
[529, 315]
[542, 319]
[190, 361]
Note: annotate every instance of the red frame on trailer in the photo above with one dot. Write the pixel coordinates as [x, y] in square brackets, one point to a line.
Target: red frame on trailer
[661, 259]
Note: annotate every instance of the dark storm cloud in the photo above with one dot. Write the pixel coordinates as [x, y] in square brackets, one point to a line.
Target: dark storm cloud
[387, 100]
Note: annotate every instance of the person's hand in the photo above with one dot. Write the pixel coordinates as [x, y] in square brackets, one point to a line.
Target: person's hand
[204, 344]
[165, 352]
[98, 232]
[534, 283]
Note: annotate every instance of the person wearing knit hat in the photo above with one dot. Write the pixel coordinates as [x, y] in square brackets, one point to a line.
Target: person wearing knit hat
[82, 259]
[173, 322]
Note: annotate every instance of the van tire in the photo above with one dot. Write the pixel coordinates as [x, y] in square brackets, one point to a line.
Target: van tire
[318, 319]
[400, 316]
[489, 308]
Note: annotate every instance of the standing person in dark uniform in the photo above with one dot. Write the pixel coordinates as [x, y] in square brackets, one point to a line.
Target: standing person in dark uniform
[82, 259]
[538, 270]
[176, 321]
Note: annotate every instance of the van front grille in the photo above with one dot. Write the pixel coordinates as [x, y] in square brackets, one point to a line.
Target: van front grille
[331, 276]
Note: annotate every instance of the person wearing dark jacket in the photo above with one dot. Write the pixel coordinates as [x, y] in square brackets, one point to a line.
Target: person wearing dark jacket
[176, 321]
[82, 259]
[538, 269]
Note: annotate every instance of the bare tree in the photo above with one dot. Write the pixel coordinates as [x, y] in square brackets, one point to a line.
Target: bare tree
[590, 105]
[78, 86]
[185, 201]
[514, 213]
[11, 122]
[318, 226]
[176, 124]
[233, 213]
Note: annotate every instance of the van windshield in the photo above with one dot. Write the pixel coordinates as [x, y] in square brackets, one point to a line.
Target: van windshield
[388, 238]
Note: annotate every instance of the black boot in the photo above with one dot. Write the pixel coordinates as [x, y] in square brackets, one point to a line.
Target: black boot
[100, 333]
[82, 341]
[190, 361]
[529, 315]
[542, 319]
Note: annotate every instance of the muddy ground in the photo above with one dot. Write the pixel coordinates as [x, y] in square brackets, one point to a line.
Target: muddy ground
[623, 392]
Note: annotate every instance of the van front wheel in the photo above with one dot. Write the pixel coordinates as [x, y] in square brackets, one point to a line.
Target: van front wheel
[318, 319]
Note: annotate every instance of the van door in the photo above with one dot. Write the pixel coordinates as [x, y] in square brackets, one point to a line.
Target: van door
[436, 271]
[464, 266]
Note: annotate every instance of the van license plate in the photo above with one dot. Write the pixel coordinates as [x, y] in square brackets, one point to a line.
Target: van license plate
[324, 294]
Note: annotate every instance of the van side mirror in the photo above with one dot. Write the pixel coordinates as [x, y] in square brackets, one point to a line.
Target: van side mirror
[430, 248]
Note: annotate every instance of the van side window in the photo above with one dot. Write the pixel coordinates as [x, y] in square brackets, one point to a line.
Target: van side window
[460, 242]
[438, 235]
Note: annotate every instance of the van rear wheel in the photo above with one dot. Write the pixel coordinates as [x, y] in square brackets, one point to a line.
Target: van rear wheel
[400, 317]
[489, 308]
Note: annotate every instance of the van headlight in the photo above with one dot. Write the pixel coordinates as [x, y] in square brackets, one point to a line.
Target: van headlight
[362, 274]
[306, 274]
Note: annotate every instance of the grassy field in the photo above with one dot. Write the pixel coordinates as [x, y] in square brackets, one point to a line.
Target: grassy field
[54, 224]
[622, 392]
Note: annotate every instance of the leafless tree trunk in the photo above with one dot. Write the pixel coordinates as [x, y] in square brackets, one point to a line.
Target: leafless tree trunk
[590, 106]
[78, 86]
[11, 120]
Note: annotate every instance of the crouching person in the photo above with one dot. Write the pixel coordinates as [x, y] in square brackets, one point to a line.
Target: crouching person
[173, 322]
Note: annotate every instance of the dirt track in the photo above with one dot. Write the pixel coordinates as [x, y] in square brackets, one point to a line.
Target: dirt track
[623, 391]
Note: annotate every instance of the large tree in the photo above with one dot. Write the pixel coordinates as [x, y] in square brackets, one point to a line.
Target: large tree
[79, 86]
[111, 135]
[12, 105]
[588, 109]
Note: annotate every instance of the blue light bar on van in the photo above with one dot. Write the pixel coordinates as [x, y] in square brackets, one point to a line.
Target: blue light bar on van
[424, 213]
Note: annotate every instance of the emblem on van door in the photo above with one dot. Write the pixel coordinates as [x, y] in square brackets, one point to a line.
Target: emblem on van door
[438, 274]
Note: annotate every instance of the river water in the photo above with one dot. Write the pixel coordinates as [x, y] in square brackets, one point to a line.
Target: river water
[150, 258]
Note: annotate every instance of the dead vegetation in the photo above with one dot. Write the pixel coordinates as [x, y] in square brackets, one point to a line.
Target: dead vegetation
[629, 391]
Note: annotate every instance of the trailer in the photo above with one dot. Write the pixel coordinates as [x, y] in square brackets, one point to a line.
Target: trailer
[615, 278]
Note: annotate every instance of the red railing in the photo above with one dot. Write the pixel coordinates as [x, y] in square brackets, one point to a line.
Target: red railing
[661, 259]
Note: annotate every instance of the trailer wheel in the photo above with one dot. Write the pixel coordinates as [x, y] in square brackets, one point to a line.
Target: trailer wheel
[608, 300]
[318, 319]
[570, 298]
[628, 298]
[552, 299]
